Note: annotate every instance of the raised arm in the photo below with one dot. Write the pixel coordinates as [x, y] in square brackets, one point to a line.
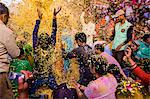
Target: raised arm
[54, 27]
[145, 77]
[54, 31]
[35, 34]
[69, 55]
[35, 31]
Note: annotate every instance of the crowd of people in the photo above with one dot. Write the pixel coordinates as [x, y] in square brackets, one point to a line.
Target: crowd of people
[113, 46]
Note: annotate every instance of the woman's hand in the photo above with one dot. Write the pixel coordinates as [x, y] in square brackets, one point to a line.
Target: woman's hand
[77, 87]
[56, 11]
[128, 53]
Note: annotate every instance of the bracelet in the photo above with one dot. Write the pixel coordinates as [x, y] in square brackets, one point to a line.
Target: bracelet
[134, 66]
[129, 58]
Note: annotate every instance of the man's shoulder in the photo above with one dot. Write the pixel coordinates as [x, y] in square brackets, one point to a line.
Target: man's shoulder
[128, 23]
[83, 48]
[88, 46]
[117, 24]
[5, 33]
[4, 30]
[78, 49]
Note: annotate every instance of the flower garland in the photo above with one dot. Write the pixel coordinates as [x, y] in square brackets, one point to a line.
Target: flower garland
[129, 88]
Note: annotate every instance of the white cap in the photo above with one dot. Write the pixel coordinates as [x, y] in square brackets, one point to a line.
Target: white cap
[118, 13]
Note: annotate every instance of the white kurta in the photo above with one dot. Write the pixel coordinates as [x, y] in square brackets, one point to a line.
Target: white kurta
[88, 29]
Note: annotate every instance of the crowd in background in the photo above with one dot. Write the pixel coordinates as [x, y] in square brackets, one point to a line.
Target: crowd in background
[113, 46]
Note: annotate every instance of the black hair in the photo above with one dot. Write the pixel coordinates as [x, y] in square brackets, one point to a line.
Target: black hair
[102, 68]
[145, 37]
[81, 37]
[3, 9]
[20, 44]
[21, 52]
[99, 47]
[114, 69]
[100, 65]
[63, 92]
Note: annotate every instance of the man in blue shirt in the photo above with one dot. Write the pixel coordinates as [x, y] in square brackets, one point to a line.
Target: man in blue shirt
[43, 45]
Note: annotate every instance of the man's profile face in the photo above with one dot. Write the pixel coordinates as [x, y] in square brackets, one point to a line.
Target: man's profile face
[77, 42]
[148, 40]
[96, 51]
[5, 18]
[134, 47]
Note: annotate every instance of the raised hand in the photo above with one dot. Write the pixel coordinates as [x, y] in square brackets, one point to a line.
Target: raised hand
[40, 14]
[56, 11]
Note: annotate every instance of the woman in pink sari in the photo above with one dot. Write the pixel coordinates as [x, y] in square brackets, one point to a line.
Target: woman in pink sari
[104, 87]
[100, 50]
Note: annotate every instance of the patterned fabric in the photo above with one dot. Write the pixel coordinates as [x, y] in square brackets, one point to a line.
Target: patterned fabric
[44, 62]
[16, 66]
[83, 55]
[43, 81]
[43, 49]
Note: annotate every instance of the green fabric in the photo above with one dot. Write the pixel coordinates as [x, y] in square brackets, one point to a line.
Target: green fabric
[27, 49]
[144, 50]
[120, 37]
[19, 65]
[16, 66]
